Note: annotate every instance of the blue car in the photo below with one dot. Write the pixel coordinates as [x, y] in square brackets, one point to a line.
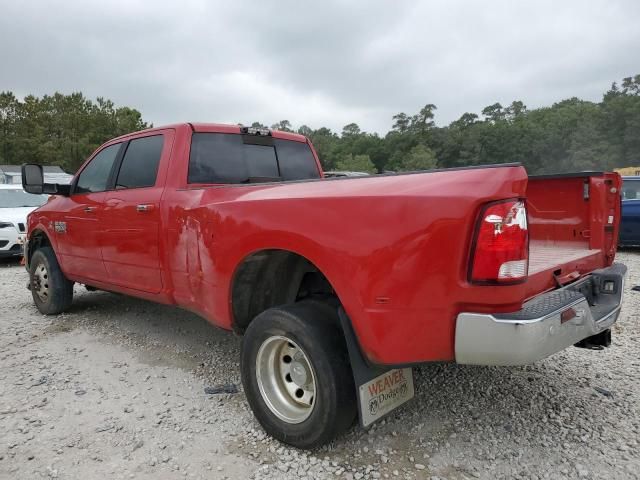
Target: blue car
[630, 225]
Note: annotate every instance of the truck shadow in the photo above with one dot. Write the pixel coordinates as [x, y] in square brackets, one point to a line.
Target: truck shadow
[10, 262]
[454, 404]
[160, 334]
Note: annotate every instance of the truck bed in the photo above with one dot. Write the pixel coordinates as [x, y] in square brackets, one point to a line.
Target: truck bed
[545, 257]
[572, 226]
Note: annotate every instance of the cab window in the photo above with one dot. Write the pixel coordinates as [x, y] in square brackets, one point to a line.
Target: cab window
[139, 166]
[233, 158]
[95, 176]
[630, 189]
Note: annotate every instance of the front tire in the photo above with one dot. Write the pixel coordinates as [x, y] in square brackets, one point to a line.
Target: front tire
[296, 374]
[52, 292]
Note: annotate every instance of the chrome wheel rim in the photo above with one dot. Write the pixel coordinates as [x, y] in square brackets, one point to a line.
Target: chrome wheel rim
[286, 379]
[40, 282]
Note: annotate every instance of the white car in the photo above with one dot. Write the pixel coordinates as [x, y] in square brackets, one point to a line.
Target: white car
[15, 205]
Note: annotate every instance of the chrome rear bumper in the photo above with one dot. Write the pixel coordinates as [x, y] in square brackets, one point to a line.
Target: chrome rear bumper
[547, 324]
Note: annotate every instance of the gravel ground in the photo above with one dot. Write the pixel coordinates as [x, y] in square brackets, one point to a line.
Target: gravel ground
[115, 389]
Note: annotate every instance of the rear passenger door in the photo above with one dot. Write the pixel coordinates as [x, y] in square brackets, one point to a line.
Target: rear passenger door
[131, 245]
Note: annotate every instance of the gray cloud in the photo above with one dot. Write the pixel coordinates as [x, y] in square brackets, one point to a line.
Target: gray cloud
[319, 63]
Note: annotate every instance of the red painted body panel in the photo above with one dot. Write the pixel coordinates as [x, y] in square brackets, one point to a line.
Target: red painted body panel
[395, 248]
[131, 239]
[80, 250]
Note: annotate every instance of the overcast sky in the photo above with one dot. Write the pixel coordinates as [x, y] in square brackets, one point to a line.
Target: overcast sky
[321, 63]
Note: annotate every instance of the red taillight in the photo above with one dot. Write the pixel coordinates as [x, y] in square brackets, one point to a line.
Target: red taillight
[501, 247]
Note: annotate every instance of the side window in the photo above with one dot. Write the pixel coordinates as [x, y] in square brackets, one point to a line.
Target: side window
[630, 189]
[139, 166]
[296, 160]
[95, 175]
[226, 158]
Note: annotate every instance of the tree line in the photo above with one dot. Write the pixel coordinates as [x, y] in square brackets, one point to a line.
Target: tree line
[570, 135]
[59, 129]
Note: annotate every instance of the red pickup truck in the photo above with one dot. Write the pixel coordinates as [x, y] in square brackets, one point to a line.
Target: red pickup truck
[338, 285]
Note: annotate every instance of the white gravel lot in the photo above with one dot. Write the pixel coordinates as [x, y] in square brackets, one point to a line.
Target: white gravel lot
[115, 389]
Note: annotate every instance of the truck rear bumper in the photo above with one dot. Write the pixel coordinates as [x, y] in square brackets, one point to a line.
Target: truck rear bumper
[547, 324]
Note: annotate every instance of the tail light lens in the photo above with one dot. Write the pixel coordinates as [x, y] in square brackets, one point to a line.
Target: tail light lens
[501, 247]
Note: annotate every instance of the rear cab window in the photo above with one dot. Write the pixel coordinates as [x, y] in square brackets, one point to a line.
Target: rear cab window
[139, 167]
[228, 158]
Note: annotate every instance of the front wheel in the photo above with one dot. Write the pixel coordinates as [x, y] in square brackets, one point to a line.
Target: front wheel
[296, 374]
[52, 292]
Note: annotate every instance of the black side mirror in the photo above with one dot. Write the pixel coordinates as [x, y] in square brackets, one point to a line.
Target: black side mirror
[33, 182]
[32, 178]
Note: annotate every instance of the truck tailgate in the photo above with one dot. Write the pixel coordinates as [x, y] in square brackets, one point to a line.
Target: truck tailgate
[573, 291]
[573, 227]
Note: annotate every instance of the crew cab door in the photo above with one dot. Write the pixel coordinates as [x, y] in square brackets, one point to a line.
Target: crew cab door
[131, 239]
[79, 228]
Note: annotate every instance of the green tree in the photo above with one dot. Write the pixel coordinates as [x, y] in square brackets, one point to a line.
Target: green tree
[493, 113]
[401, 122]
[350, 130]
[304, 130]
[423, 121]
[588, 149]
[325, 143]
[466, 120]
[419, 157]
[60, 129]
[569, 135]
[516, 109]
[9, 109]
[631, 85]
[356, 163]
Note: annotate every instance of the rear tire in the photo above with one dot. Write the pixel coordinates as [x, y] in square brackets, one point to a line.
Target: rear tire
[52, 292]
[296, 374]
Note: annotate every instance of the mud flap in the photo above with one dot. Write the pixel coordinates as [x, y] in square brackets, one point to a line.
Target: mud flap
[380, 390]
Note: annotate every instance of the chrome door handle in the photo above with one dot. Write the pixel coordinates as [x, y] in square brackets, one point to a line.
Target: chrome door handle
[144, 207]
[89, 209]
